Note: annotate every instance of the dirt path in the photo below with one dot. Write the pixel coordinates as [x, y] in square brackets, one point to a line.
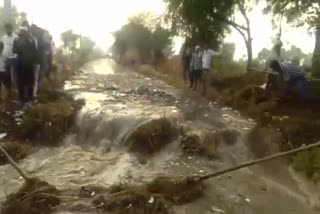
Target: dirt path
[117, 100]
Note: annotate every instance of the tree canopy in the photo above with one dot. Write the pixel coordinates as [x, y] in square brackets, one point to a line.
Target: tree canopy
[299, 13]
[16, 18]
[137, 35]
[199, 20]
[209, 20]
[70, 40]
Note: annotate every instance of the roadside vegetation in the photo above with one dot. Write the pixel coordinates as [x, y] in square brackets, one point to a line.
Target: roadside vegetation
[232, 81]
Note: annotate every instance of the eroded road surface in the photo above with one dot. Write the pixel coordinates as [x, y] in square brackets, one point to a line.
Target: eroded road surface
[117, 100]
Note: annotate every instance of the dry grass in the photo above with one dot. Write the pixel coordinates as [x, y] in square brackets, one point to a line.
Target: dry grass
[47, 122]
[15, 150]
[151, 136]
[34, 197]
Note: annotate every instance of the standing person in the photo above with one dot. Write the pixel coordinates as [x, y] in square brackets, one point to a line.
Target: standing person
[292, 78]
[37, 35]
[273, 82]
[207, 60]
[196, 67]
[186, 58]
[8, 40]
[47, 60]
[5, 75]
[25, 48]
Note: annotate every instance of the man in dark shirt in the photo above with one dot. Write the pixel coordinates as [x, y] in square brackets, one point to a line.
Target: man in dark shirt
[292, 78]
[26, 50]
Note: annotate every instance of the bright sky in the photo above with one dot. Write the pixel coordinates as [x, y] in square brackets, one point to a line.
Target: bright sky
[97, 18]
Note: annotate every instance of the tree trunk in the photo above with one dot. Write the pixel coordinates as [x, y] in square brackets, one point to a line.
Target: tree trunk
[316, 55]
[249, 53]
[249, 47]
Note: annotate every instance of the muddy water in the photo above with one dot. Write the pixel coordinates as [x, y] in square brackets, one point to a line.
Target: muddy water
[118, 100]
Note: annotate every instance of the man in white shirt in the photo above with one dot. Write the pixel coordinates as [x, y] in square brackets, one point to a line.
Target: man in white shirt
[8, 40]
[207, 60]
[5, 78]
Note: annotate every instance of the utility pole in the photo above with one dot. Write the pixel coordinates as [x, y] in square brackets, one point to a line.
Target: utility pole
[7, 5]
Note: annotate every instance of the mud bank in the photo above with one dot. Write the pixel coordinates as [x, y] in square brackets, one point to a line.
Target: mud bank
[97, 156]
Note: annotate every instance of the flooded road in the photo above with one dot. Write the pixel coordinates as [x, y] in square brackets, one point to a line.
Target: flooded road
[117, 101]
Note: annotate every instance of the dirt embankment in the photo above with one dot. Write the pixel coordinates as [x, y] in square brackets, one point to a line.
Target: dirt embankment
[296, 122]
[45, 122]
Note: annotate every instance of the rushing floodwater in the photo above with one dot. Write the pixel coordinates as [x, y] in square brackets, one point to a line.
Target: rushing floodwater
[117, 100]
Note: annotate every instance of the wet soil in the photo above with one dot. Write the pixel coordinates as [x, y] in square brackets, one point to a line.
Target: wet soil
[118, 101]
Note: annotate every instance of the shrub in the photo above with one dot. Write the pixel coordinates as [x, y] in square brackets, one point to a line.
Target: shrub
[48, 121]
[308, 163]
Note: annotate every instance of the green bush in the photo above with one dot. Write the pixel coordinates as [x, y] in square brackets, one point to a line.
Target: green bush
[308, 163]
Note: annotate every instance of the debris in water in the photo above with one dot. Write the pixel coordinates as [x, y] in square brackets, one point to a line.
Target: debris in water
[15, 150]
[218, 210]
[90, 191]
[248, 200]
[201, 142]
[151, 200]
[151, 136]
[3, 135]
[207, 142]
[132, 201]
[178, 190]
[33, 197]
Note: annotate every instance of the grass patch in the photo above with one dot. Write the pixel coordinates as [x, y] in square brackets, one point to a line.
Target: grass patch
[308, 163]
[46, 122]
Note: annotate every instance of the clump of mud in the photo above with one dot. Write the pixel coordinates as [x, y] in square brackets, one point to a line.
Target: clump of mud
[7, 109]
[157, 196]
[178, 190]
[251, 94]
[207, 142]
[15, 150]
[134, 202]
[46, 121]
[34, 197]
[151, 136]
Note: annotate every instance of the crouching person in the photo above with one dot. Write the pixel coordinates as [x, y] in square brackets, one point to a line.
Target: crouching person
[292, 78]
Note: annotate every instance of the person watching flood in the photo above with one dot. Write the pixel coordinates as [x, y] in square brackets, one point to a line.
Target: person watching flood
[26, 50]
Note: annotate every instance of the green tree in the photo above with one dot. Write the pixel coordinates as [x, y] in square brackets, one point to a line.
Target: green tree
[208, 19]
[137, 35]
[133, 36]
[161, 39]
[70, 41]
[299, 13]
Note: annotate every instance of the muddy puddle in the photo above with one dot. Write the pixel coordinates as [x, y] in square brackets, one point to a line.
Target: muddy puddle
[117, 102]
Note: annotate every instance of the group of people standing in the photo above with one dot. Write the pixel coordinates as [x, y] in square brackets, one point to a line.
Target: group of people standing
[197, 63]
[25, 59]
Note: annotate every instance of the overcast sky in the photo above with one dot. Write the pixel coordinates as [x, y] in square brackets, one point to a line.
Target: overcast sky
[97, 18]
